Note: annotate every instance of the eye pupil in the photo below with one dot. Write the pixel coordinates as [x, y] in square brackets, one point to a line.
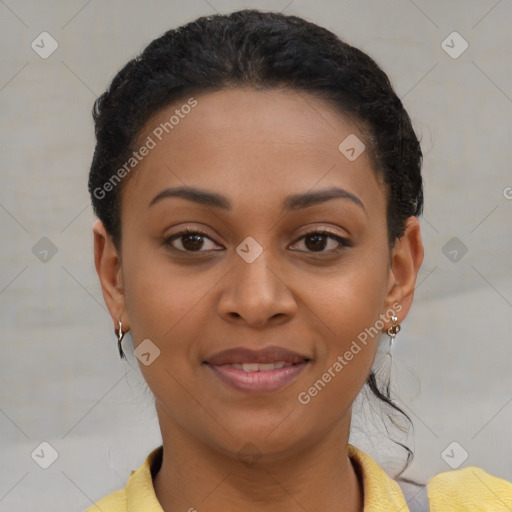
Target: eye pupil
[319, 241]
[196, 242]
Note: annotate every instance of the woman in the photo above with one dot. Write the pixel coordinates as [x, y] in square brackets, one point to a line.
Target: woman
[258, 186]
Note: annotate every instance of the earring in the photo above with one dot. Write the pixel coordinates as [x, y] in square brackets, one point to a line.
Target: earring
[394, 329]
[120, 336]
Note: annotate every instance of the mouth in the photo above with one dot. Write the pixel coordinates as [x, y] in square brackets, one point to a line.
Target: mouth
[259, 367]
[270, 369]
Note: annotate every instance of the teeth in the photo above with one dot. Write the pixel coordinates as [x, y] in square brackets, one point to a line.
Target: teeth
[250, 367]
[259, 367]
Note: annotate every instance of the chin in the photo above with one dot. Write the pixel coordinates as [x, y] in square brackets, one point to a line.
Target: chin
[255, 439]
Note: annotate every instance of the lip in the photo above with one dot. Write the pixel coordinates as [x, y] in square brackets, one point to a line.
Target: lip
[245, 355]
[260, 381]
[257, 381]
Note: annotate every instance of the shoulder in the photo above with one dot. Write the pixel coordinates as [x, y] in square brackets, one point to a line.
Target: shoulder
[139, 493]
[114, 502]
[469, 488]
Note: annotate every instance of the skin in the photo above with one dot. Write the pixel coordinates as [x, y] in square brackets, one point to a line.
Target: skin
[255, 148]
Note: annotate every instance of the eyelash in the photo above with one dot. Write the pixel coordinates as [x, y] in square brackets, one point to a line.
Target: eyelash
[344, 243]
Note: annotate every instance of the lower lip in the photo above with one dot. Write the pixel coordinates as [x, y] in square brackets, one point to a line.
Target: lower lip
[269, 380]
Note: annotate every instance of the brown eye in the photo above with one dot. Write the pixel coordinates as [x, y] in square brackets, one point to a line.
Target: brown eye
[190, 241]
[318, 241]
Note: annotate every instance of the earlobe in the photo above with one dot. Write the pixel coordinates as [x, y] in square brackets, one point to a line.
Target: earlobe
[406, 259]
[108, 267]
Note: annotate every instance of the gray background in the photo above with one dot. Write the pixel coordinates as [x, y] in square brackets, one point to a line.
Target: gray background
[61, 379]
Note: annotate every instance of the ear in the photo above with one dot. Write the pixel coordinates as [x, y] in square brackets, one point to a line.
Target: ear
[406, 259]
[108, 266]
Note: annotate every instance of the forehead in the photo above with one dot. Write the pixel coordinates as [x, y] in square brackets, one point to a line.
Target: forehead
[258, 143]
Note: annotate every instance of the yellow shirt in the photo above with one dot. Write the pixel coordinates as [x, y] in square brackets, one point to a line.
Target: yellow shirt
[470, 489]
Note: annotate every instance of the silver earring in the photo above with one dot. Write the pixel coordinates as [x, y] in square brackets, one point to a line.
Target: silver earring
[120, 336]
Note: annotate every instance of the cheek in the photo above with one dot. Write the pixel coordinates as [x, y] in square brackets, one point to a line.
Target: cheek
[160, 305]
[351, 334]
[173, 308]
[352, 325]
[354, 299]
[165, 309]
[155, 300]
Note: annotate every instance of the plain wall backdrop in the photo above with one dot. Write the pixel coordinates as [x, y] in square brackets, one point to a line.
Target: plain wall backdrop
[61, 379]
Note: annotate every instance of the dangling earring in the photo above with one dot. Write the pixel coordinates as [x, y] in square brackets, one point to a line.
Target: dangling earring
[120, 336]
[393, 330]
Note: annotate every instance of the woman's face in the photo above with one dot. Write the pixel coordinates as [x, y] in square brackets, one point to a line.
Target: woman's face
[256, 273]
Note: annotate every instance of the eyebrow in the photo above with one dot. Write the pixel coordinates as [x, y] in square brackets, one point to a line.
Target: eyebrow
[290, 203]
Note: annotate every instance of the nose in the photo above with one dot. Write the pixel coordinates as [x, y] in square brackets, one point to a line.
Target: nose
[257, 294]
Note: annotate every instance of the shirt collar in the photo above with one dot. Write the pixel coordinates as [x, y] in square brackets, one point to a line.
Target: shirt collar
[140, 493]
[381, 492]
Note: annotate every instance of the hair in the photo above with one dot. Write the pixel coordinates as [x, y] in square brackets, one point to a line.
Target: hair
[259, 50]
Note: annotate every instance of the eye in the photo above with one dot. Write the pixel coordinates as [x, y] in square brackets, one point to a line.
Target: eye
[190, 241]
[317, 241]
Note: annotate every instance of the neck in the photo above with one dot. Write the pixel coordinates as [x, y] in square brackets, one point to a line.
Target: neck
[193, 475]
